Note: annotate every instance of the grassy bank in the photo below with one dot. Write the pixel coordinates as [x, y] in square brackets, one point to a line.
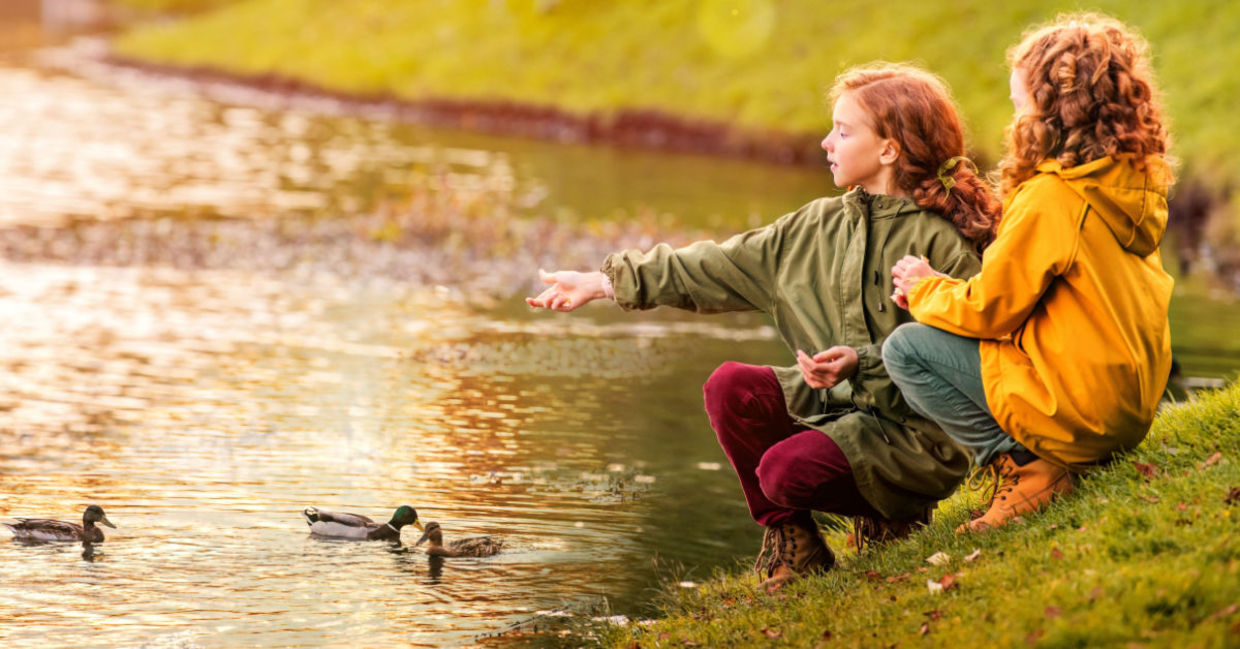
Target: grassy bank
[1146, 553]
[756, 64]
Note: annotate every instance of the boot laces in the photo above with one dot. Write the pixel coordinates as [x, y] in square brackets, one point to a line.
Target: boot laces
[770, 556]
[985, 479]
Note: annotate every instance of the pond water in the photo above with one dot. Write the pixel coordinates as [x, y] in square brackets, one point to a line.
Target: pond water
[205, 407]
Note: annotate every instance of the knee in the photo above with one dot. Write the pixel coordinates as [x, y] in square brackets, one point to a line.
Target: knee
[726, 386]
[899, 352]
[784, 479]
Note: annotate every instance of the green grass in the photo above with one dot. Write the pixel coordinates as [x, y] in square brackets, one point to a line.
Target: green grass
[1125, 561]
[765, 66]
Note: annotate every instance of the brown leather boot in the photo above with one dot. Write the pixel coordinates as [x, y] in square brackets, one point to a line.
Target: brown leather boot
[789, 551]
[873, 531]
[1020, 490]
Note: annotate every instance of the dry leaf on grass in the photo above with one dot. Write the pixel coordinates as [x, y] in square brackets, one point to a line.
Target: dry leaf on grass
[1212, 460]
[938, 558]
[772, 633]
[1148, 470]
[1233, 496]
[977, 552]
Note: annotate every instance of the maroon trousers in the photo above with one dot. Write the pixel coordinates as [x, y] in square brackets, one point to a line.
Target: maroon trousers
[785, 470]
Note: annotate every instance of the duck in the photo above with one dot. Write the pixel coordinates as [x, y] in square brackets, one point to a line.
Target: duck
[343, 525]
[42, 529]
[476, 546]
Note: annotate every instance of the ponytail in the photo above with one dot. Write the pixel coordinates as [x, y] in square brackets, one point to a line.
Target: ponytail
[914, 108]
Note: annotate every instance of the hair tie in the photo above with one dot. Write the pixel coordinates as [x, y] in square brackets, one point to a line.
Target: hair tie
[949, 181]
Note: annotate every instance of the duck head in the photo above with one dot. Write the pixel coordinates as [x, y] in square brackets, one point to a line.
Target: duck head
[433, 533]
[94, 514]
[405, 515]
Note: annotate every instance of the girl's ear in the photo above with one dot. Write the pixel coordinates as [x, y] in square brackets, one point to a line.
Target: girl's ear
[890, 152]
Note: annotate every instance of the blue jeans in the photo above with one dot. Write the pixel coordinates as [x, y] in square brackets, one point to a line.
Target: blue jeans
[940, 375]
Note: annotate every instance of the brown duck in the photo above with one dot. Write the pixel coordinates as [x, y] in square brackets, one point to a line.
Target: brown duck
[476, 546]
[42, 529]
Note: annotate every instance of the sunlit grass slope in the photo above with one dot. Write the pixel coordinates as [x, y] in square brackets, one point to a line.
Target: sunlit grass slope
[1146, 553]
[753, 63]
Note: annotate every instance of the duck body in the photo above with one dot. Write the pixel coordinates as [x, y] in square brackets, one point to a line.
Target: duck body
[475, 546]
[343, 525]
[43, 529]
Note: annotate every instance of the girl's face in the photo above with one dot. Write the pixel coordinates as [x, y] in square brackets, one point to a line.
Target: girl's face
[1020, 92]
[858, 156]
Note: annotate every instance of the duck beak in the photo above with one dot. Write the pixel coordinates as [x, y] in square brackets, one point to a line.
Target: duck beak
[420, 528]
[107, 522]
[423, 539]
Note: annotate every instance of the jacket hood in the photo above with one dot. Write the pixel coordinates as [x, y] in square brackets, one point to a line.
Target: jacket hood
[1132, 203]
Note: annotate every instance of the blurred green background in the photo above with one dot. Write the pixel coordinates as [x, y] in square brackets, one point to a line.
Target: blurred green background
[754, 64]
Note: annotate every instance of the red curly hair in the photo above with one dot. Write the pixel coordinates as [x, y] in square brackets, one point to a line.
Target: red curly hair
[1091, 95]
[914, 108]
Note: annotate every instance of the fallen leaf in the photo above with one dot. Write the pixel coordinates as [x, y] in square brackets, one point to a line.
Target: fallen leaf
[873, 575]
[1034, 636]
[938, 558]
[948, 581]
[903, 577]
[1148, 470]
[1095, 594]
[925, 629]
[1181, 506]
[922, 569]
[977, 552]
[1212, 460]
[1225, 612]
[772, 633]
[664, 636]
[934, 587]
[1056, 554]
[934, 615]
[1052, 612]
[1151, 499]
[689, 643]
[1233, 496]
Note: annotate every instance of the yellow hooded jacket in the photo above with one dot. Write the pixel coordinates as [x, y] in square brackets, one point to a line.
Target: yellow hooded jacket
[1071, 309]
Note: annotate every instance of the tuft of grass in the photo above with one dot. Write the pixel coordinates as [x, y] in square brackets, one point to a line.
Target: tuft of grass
[1145, 553]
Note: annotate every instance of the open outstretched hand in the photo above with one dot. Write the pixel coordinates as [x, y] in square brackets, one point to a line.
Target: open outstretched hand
[568, 290]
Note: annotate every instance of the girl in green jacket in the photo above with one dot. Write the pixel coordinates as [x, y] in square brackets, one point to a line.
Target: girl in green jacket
[831, 433]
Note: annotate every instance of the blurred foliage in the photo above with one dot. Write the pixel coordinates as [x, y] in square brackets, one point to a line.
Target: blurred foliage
[174, 6]
[753, 63]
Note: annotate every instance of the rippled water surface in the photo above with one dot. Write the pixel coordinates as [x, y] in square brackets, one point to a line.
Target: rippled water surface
[204, 405]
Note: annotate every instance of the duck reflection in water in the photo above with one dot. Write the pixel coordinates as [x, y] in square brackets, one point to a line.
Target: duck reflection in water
[477, 546]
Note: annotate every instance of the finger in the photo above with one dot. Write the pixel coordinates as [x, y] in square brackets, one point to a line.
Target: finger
[547, 278]
[827, 355]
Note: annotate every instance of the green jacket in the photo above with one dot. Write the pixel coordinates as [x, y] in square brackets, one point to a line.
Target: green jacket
[823, 273]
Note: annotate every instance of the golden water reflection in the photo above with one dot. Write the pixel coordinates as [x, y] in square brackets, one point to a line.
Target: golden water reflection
[205, 410]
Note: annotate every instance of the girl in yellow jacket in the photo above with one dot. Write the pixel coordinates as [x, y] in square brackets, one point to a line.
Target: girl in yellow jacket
[1055, 355]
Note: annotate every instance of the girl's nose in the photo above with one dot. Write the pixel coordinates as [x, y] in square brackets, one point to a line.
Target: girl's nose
[826, 144]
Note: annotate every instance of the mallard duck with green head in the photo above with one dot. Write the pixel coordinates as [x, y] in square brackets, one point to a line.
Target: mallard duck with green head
[342, 525]
[43, 529]
[476, 546]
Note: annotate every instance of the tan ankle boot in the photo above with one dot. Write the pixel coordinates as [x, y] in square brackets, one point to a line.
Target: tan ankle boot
[790, 551]
[1020, 490]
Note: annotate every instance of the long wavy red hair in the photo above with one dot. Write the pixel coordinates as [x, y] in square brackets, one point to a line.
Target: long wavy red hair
[914, 108]
[1091, 95]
